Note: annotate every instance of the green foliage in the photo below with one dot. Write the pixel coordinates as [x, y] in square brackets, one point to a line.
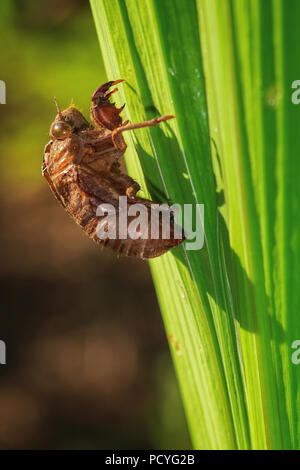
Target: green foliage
[225, 69]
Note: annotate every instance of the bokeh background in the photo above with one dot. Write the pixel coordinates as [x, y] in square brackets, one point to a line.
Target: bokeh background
[88, 364]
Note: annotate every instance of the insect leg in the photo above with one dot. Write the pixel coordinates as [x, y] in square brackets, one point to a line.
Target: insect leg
[132, 190]
[116, 133]
[130, 186]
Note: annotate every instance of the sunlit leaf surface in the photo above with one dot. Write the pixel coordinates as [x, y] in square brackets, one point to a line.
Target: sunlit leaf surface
[231, 310]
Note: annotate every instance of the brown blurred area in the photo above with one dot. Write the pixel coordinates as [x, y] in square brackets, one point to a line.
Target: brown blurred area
[87, 359]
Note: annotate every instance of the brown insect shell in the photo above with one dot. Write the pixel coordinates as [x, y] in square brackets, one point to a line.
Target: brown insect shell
[69, 168]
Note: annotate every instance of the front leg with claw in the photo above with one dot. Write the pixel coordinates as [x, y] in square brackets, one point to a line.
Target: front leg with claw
[103, 112]
[106, 114]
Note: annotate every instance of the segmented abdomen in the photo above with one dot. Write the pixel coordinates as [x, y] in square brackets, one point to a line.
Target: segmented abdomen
[82, 193]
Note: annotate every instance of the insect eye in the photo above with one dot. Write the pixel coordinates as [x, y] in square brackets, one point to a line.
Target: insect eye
[60, 130]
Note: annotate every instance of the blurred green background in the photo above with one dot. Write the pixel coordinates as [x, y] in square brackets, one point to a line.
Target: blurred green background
[88, 364]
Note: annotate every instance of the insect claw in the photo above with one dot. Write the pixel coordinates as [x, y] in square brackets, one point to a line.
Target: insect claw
[107, 95]
[103, 112]
[120, 80]
[102, 90]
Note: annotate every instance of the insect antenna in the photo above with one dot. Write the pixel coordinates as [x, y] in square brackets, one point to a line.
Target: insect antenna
[58, 109]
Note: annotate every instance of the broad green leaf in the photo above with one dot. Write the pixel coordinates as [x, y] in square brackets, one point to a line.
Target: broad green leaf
[225, 69]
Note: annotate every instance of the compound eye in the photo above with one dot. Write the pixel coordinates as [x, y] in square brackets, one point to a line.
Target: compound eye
[60, 130]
